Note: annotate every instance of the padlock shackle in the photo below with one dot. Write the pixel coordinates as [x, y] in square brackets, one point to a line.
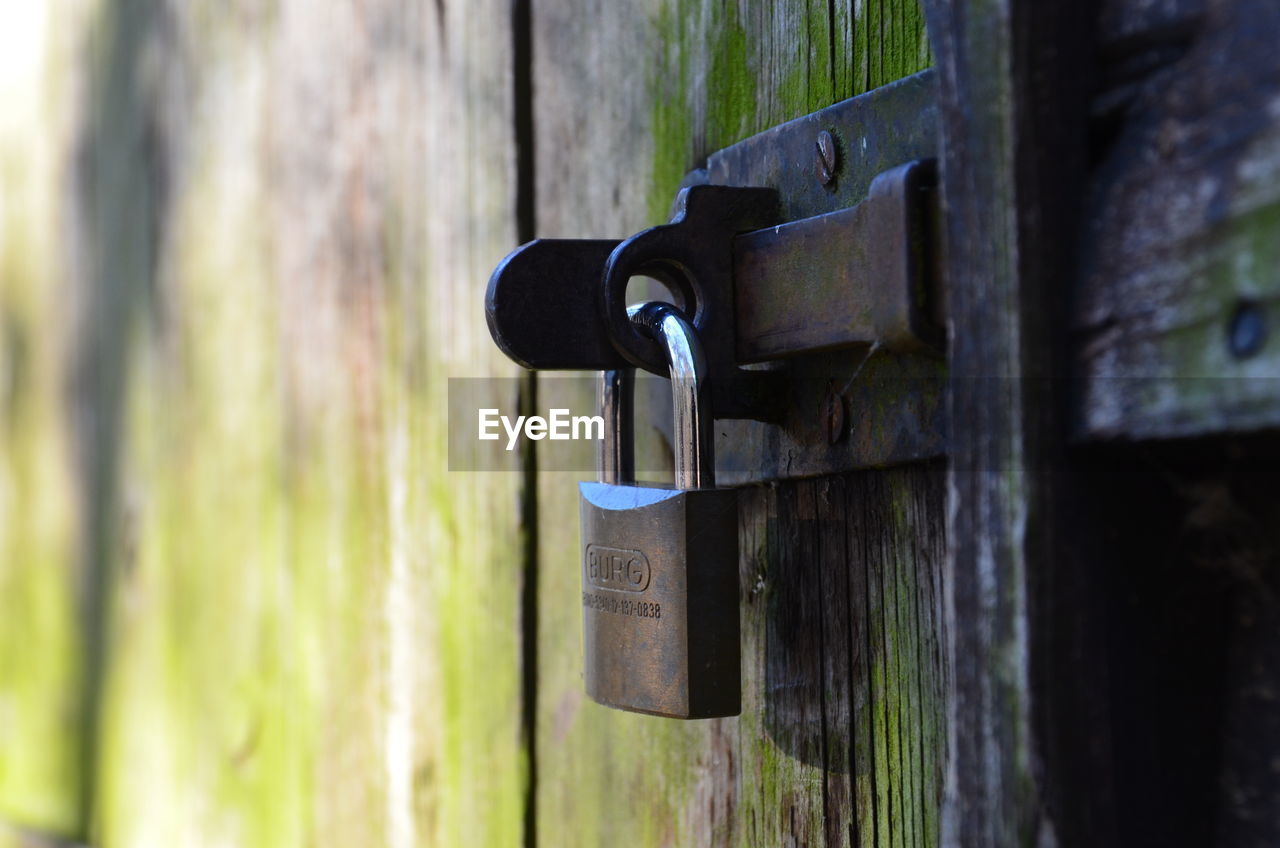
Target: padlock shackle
[617, 456]
[693, 443]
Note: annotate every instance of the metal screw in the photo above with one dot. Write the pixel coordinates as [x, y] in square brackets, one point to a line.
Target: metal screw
[828, 157]
[1248, 331]
[834, 414]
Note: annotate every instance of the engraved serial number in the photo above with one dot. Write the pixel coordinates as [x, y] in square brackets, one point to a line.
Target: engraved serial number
[622, 606]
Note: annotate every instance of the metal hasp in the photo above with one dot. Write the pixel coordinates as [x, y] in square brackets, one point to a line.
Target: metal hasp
[857, 276]
[694, 257]
[808, 247]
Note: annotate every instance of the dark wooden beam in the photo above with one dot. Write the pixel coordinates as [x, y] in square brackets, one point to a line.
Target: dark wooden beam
[1014, 89]
[1181, 264]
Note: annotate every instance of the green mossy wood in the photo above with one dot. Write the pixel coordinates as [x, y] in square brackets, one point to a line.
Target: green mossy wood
[1181, 238]
[244, 602]
[840, 741]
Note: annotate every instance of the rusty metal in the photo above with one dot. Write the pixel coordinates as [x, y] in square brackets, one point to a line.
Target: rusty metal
[894, 398]
[870, 253]
[841, 289]
[543, 304]
[895, 413]
[874, 132]
[856, 276]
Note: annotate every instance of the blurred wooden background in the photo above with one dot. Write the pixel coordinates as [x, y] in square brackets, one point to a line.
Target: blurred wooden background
[244, 603]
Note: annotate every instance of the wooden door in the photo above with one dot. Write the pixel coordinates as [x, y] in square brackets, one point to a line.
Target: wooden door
[246, 599]
[841, 736]
[244, 248]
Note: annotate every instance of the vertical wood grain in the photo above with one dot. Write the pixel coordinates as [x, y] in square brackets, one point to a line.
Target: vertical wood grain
[278, 219]
[839, 699]
[42, 717]
[1014, 87]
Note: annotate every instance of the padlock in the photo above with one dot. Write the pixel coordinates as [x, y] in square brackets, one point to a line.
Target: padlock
[660, 564]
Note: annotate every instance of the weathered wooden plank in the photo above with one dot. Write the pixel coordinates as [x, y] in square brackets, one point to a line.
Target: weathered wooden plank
[862, 731]
[1126, 24]
[299, 627]
[1014, 95]
[603, 776]
[927, 542]
[1180, 277]
[628, 100]
[791, 794]
[840, 811]
[41, 647]
[816, 575]
[879, 702]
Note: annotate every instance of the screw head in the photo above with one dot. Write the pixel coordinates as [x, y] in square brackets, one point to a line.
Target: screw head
[1248, 331]
[834, 414]
[827, 157]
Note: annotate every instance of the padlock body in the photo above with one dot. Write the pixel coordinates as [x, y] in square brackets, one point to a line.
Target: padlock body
[660, 599]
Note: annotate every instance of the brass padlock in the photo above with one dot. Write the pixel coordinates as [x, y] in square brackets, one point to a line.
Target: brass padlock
[660, 564]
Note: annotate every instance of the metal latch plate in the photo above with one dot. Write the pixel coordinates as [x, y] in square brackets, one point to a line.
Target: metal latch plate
[846, 408]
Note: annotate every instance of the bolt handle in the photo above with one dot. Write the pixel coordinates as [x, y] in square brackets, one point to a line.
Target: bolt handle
[541, 306]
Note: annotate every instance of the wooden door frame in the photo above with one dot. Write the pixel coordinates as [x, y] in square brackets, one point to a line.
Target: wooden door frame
[1014, 91]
